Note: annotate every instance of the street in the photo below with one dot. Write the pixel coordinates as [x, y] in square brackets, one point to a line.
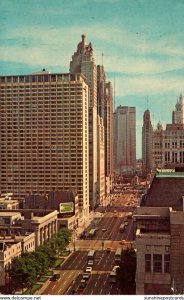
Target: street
[107, 222]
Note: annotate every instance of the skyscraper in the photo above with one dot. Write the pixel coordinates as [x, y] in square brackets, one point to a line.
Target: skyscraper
[125, 139]
[178, 114]
[108, 124]
[44, 135]
[147, 136]
[83, 62]
[105, 110]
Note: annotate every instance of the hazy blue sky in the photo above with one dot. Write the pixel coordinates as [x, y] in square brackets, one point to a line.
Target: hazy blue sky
[142, 42]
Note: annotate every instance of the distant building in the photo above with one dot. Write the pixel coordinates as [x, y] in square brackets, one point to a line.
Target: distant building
[7, 201]
[105, 111]
[147, 138]
[168, 144]
[44, 135]
[108, 125]
[101, 163]
[124, 134]
[160, 236]
[157, 148]
[178, 114]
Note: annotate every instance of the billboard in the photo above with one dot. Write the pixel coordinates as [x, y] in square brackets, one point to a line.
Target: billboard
[67, 207]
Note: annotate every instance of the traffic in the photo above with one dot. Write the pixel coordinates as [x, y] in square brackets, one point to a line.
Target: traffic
[92, 267]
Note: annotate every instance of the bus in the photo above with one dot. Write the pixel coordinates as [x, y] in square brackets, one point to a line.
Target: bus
[92, 233]
[122, 228]
[118, 255]
[91, 254]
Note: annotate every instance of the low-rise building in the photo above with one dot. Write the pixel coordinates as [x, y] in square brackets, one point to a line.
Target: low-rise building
[7, 201]
[65, 202]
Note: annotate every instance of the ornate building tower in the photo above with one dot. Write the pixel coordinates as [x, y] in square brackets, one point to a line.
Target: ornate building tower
[83, 62]
[178, 114]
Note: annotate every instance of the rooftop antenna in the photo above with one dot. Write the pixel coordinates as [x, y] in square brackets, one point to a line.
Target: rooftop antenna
[147, 100]
[102, 58]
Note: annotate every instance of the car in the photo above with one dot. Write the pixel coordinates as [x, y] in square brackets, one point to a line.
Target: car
[88, 269]
[96, 228]
[109, 249]
[104, 229]
[115, 268]
[123, 242]
[90, 262]
[55, 277]
[86, 276]
[115, 211]
[126, 223]
[82, 284]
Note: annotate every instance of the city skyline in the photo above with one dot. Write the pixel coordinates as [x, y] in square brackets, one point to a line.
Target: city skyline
[139, 43]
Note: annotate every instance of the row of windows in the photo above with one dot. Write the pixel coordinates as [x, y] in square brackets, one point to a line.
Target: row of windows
[41, 78]
[157, 263]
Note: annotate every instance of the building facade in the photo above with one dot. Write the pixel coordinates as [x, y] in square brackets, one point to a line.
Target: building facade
[160, 236]
[44, 135]
[83, 62]
[147, 137]
[125, 139]
[108, 124]
[101, 163]
[168, 144]
[105, 111]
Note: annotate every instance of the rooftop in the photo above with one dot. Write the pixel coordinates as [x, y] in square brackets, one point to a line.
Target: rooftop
[166, 190]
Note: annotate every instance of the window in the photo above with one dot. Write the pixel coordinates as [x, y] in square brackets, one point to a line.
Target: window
[157, 263]
[147, 262]
[166, 263]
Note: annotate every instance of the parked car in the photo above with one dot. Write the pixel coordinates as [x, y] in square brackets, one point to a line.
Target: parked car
[104, 229]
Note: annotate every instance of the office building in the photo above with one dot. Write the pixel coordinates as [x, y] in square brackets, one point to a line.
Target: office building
[108, 124]
[83, 62]
[105, 110]
[44, 135]
[125, 140]
[147, 136]
[101, 163]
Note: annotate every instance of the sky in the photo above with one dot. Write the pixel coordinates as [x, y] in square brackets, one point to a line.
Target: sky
[142, 42]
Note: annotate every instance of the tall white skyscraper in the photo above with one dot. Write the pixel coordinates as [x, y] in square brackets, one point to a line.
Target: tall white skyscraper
[44, 131]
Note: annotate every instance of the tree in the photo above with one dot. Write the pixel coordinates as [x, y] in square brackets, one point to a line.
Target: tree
[126, 273]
